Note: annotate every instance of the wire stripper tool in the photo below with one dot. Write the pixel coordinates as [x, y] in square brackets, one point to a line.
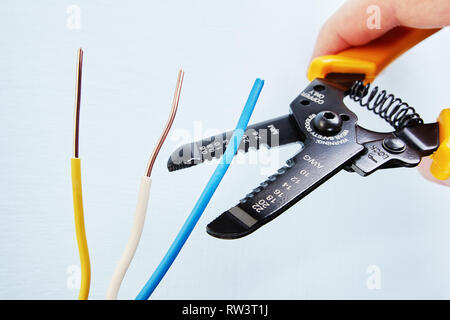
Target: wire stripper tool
[330, 135]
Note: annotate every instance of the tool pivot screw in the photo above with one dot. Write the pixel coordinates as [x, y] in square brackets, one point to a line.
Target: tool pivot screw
[327, 123]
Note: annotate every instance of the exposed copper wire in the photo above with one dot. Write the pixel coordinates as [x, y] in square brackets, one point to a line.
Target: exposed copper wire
[76, 124]
[173, 111]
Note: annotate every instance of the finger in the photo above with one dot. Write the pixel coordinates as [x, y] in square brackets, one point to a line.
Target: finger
[349, 26]
[424, 169]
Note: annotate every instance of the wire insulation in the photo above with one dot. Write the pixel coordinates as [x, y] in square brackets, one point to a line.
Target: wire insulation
[133, 240]
[80, 231]
[206, 195]
[141, 209]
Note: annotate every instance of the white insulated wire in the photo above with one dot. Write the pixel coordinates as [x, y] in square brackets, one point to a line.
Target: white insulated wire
[144, 193]
[133, 240]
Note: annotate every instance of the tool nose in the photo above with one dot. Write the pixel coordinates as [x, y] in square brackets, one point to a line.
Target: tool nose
[226, 226]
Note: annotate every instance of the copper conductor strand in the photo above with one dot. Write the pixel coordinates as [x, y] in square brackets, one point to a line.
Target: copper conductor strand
[76, 125]
[173, 111]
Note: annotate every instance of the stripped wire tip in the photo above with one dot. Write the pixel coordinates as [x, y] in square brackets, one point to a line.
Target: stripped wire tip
[76, 121]
[173, 111]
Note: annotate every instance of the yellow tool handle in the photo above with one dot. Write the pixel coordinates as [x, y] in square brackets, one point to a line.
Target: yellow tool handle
[75, 165]
[371, 58]
[440, 166]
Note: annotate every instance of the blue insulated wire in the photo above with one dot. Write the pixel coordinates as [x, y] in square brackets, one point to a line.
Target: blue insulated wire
[206, 195]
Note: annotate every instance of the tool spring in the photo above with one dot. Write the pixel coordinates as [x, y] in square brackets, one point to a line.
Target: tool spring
[397, 113]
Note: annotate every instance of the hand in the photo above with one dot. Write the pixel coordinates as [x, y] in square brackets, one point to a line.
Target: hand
[349, 27]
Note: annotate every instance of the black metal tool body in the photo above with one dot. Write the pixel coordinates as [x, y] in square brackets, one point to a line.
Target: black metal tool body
[332, 140]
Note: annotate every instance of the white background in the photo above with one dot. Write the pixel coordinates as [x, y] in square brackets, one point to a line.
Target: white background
[320, 248]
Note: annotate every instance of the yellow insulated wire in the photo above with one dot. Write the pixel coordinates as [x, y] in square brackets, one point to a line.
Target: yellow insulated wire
[75, 165]
[80, 229]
